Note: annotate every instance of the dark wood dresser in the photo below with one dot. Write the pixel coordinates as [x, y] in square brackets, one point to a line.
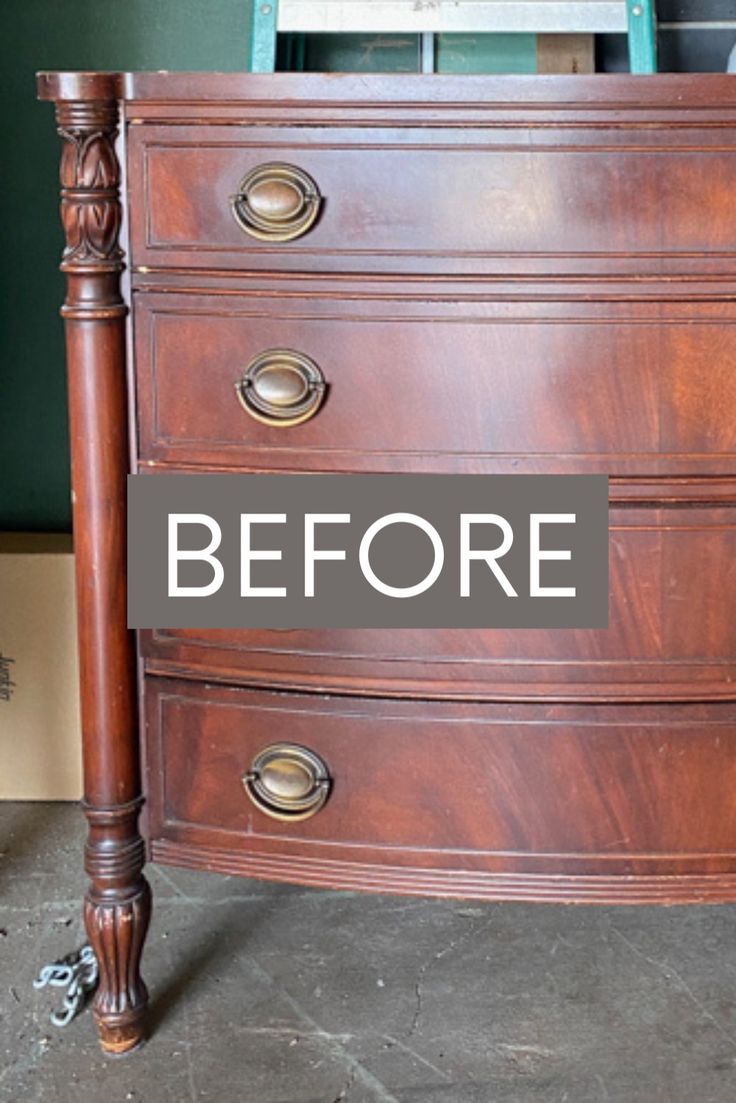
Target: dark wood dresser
[492, 275]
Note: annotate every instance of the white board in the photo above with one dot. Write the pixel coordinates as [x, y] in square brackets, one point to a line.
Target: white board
[452, 16]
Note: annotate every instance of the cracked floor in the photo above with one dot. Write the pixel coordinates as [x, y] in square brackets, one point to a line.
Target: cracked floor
[274, 994]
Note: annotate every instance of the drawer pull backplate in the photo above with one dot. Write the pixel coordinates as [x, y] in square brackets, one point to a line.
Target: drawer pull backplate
[281, 388]
[287, 782]
[276, 202]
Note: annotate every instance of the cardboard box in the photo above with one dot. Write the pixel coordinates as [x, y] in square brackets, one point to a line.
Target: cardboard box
[40, 733]
[565, 53]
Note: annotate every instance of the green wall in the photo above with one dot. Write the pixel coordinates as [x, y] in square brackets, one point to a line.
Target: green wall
[66, 34]
[113, 34]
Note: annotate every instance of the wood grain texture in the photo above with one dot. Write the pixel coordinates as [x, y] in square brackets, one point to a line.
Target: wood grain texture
[476, 795]
[451, 386]
[201, 95]
[663, 564]
[436, 200]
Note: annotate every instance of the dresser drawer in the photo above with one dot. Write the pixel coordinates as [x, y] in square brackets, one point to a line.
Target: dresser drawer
[449, 798]
[430, 199]
[671, 634]
[447, 385]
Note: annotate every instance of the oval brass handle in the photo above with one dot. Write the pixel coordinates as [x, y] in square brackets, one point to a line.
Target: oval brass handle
[281, 388]
[276, 202]
[287, 782]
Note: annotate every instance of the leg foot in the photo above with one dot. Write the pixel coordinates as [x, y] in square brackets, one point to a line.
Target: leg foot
[117, 1041]
[117, 909]
[117, 932]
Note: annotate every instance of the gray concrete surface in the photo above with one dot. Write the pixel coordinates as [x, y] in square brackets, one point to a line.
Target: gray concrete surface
[294, 996]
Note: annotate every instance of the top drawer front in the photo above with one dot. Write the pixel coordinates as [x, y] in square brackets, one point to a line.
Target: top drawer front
[430, 200]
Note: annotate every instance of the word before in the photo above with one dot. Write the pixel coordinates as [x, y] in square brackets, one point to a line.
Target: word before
[302, 551]
[469, 552]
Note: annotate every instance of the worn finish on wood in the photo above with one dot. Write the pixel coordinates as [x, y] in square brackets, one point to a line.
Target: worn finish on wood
[117, 905]
[504, 275]
[200, 94]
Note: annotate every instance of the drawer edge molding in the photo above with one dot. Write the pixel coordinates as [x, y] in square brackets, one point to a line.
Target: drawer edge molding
[449, 688]
[453, 884]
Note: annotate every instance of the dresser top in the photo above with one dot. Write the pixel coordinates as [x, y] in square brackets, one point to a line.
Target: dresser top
[662, 92]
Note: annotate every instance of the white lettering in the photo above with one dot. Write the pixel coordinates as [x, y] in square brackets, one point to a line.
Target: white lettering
[176, 555]
[311, 520]
[536, 520]
[248, 554]
[467, 520]
[401, 519]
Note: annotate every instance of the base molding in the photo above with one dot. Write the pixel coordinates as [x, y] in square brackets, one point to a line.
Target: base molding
[685, 888]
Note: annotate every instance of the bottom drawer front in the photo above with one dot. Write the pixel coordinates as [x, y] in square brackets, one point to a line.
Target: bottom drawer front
[473, 789]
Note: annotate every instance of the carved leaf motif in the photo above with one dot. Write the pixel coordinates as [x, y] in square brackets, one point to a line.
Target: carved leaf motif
[91, 222]
[97, 163]
[68, 167]
[88, 160]
[91, 228]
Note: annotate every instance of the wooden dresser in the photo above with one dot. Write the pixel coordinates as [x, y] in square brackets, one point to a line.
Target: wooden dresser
[491, 275]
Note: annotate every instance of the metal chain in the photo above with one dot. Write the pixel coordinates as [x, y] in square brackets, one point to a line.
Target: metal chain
[78, 973]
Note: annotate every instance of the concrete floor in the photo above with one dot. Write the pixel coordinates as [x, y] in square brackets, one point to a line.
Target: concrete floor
[296, 996]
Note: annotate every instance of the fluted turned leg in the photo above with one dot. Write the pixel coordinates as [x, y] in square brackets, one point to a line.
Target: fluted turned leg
[118, 902]
[117, 910]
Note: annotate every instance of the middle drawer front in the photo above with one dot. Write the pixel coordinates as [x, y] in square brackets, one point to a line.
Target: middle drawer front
[671, 634]
[642, 389]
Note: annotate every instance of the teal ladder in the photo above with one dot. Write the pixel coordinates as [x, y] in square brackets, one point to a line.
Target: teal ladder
[297, 18]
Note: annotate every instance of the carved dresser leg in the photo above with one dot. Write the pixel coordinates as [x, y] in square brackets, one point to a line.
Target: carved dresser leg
[117, 909]
[118, 902]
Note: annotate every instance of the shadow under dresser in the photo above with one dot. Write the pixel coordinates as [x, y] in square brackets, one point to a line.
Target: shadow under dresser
[492, 275]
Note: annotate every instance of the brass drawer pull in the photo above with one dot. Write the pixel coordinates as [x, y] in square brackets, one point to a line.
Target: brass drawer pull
[276, 202]
[281, 388]
[287, 782]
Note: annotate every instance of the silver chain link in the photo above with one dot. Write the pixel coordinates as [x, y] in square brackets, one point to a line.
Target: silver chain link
[78, 973]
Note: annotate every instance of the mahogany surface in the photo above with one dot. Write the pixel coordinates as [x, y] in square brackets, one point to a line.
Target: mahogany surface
[431, 199]
[448, 385]
[470, 790]
[506, 274]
